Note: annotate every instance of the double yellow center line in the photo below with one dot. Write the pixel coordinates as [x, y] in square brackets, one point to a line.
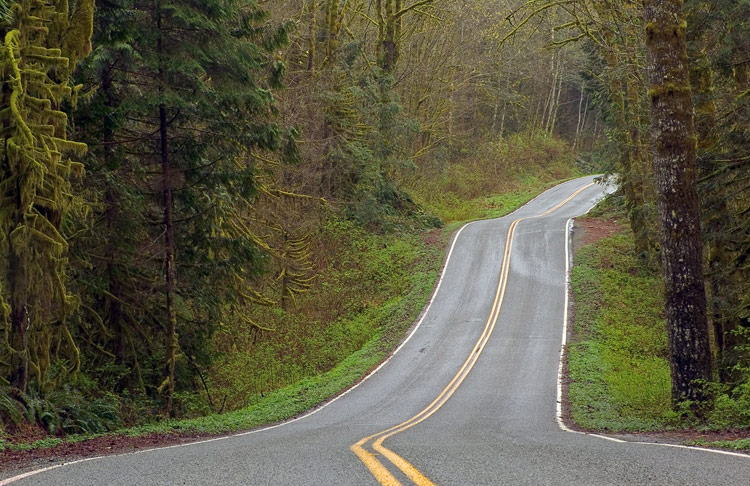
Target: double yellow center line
[381, 473]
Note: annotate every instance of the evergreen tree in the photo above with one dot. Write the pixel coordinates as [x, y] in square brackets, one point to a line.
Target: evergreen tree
[115, 256]
[203, 74]
[42, 41]
[718, 43]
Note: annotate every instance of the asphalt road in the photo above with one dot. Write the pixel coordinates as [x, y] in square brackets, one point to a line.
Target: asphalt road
[474, 390]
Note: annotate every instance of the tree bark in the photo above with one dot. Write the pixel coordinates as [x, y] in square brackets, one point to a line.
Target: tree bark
[169, 245]
[576, 140]
[637, 164]
[715, 210]
[390, 46]
[556, 105]
[312, 42]
[674, 149]
[19, 341]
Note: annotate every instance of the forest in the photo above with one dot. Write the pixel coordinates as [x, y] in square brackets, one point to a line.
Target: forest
[204, 202]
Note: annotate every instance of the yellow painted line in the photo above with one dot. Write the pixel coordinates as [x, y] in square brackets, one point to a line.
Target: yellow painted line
[570, 198]
[471, 357]
[380, 472]
[411, 472]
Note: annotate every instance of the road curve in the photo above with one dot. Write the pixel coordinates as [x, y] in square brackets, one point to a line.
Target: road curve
[469, 399]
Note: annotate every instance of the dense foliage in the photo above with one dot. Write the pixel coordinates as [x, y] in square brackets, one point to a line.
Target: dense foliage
[258, 174]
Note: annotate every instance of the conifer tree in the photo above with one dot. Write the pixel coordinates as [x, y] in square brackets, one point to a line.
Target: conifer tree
[118, 273]
[42, 41]
[719, 74]
[203, 79]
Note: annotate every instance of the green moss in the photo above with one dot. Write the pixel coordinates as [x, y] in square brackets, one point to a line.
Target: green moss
[668, 89]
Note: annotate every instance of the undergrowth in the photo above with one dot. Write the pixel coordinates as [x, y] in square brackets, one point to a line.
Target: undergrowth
[617, 359]
[368, 291]
[492, 179]
[367, 284]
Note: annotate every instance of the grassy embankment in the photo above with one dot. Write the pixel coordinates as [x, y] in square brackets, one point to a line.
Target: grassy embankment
[369, 290]
[501, 176]
[617, 358]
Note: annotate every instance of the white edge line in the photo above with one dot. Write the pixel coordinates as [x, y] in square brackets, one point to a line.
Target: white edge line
[560, 422]
[559, 418]
[13, 479]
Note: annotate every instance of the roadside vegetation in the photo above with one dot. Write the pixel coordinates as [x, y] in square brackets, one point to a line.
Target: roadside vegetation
[204, 205]
[499, 175]
[618, 359]
[368, 289]
[240, 228]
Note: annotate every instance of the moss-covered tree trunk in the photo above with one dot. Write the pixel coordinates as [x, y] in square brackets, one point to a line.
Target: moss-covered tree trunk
[674, 151]
[19, 340]
[312, 17]
[714, 202]
[637, 154]
[42, 41]
[390, 17]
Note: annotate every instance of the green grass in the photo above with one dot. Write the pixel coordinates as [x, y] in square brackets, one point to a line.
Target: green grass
[370, 289]
[618, 357]
[367, 285]
[737, 445]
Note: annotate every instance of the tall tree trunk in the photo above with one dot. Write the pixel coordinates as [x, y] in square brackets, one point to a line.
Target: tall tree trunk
[556, 105]
[19, 341]
[536, 123]
[502, 119]
[495, 109]
[332, 27]
[581, 134]
[169, 245]
[169, 262]
[19, 320]
[637, 165]
[576, 140]
[673, 138]
[595, 132]
[390, 46]
[544, 122]
[112, 215]
[634, 200]
[312, 32]
[714, 202]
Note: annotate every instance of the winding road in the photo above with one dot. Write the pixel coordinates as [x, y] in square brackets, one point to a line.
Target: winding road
[470, 398]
